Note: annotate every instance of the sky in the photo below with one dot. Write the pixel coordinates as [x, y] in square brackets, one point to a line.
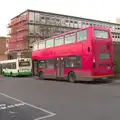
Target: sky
[95, 9]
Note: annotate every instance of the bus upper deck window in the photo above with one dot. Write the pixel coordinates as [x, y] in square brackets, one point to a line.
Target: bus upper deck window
[101, 34]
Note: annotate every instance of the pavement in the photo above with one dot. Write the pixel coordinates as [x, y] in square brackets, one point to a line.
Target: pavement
[25, 98]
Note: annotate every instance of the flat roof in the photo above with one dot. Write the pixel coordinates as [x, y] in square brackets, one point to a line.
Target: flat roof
[94, 20]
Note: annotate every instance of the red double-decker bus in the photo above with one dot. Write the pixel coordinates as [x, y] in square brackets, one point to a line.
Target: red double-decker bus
[83, 54]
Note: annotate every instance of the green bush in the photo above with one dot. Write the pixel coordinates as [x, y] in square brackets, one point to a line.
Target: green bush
[117, 64]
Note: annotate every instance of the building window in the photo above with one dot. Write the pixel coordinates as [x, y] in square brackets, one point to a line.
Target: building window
[31, 29]
[119, 39]
[49, 43]
[31, 17]
[75, 22]
[82, 35]
[72, 62]
[37, 17]
[66, 21]
[70, 38]
[31, 40]
[59, 41]
[37, 29]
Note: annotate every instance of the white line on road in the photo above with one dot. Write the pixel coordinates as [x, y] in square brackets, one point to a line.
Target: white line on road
[11, 106]
[40, 118]
[51, 114]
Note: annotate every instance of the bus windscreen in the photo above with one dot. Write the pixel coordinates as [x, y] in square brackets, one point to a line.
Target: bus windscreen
[101, 34]
[24, 63]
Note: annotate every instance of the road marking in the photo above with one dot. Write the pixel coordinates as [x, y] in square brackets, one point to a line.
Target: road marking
[22, 102]
[4, 106]
[40, 118]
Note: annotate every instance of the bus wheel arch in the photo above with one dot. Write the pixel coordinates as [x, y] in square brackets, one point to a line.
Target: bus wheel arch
[71, 77]
[41, 75]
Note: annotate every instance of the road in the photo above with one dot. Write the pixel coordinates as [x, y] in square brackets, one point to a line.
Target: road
[31, 99]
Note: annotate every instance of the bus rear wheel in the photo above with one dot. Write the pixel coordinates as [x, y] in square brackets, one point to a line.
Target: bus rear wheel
[41, 75]
[71, 77]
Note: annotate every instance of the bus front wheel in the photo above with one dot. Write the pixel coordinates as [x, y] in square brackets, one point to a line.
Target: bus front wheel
[71, 77]
[41, 76]
[3, 73]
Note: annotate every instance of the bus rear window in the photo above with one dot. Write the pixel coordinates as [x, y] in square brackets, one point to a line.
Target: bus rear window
[101, 34]
[104, 56]
[24, 63]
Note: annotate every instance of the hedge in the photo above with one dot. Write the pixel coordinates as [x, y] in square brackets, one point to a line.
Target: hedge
[117, 64]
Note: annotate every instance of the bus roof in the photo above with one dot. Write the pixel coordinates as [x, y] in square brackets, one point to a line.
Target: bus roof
[8, 61]
[12, 60]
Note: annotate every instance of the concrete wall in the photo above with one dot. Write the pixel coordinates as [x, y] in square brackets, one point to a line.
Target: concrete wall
[3, 57]
[23, 55]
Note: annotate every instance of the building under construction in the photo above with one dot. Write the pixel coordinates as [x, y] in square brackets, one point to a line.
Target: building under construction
[31, 26]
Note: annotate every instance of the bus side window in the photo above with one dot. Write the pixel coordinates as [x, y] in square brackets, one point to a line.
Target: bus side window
[9, 65]
[42, 64]
[14, 65]
[50, 63]
[73, 62]
[82, 35]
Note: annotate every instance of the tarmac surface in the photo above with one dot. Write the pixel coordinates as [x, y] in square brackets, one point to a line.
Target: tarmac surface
[25, 98]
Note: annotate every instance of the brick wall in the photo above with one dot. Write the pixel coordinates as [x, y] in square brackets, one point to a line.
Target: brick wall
[3, 48]
[3, 57]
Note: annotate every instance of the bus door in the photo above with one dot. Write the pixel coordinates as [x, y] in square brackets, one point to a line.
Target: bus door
[60, 67]
[35, 67]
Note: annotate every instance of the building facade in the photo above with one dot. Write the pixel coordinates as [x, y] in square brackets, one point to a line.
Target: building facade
[3, 55]
[31, 26]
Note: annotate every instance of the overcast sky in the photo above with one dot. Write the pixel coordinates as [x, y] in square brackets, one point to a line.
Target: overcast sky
[95, 9]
